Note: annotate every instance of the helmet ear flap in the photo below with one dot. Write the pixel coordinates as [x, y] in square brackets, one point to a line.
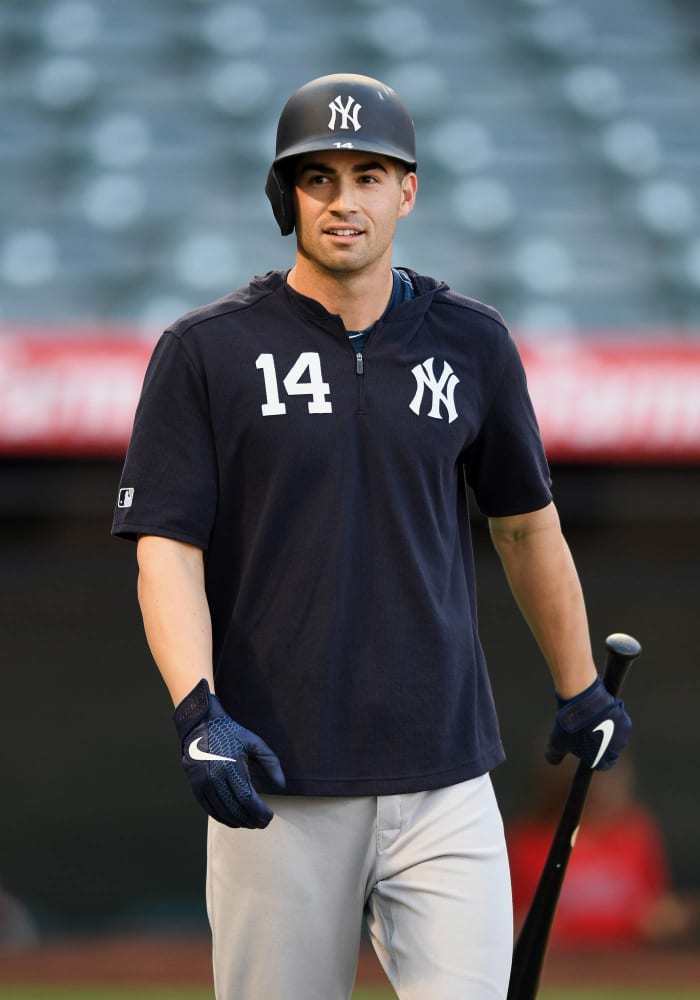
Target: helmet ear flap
[278, 191]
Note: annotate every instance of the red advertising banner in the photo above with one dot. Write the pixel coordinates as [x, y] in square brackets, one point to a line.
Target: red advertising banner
[72, 397]
[596, 400]
[617, 400]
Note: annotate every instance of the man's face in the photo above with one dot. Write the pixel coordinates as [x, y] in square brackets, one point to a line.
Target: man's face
[346, 206]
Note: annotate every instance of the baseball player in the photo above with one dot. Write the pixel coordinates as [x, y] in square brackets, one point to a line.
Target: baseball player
[296, 480]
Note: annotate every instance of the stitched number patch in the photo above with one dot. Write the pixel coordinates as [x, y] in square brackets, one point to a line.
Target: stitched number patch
[295, 384]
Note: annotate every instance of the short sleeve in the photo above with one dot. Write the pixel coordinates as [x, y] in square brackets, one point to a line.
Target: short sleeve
[506, 465]
[169, 481]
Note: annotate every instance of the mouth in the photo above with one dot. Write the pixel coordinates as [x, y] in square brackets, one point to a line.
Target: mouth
[343, 232]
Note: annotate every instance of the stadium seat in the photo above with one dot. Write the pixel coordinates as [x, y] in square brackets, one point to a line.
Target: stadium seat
[558, 145]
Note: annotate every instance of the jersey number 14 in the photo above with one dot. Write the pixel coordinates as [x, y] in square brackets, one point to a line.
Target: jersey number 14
[295, 384]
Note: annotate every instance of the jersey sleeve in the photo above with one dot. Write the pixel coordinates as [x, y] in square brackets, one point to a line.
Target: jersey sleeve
[506, 465]
[169, 480]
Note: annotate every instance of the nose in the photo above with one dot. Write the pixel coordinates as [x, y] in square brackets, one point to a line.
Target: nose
[343, 201]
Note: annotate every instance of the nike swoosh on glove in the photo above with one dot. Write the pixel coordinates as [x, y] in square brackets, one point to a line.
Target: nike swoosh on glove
[592, 726]
[215, 752]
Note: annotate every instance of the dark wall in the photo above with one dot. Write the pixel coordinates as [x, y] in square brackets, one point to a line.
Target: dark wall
[99, 828]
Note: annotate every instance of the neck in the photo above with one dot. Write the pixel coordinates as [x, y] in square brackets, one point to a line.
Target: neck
[358, 298]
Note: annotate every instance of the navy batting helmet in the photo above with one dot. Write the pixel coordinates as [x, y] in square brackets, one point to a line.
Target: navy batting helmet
[340, 111]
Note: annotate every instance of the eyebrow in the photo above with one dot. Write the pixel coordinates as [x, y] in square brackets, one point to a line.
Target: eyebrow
[359, 168]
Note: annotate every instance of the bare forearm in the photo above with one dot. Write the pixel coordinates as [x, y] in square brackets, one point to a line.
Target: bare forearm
[175, 612]
[542, 576]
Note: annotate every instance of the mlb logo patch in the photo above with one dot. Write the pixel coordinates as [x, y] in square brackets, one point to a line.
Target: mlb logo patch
[126, 497]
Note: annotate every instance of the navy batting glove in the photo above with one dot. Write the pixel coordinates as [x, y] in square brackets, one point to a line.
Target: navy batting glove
[592, 726]
[215, 752]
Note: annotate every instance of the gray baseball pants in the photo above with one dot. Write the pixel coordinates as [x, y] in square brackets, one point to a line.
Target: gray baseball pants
[428, 869]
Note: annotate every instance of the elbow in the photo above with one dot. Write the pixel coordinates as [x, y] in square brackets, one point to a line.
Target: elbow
[508, 531]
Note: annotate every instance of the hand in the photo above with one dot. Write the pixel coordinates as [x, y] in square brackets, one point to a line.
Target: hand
[215, 752]
[593, 726]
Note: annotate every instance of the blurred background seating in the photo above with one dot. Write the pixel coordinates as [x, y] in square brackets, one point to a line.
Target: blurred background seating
[558, 147]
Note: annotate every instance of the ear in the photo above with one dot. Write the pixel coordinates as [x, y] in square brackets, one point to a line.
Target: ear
[409, 189]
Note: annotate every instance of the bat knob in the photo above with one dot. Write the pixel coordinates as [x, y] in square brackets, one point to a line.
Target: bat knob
[623, 645]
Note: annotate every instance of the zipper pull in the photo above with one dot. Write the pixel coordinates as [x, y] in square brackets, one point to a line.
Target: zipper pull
[359, 364]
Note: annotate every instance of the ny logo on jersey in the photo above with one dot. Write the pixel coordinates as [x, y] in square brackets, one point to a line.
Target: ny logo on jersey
[443, 389]
[348, 113]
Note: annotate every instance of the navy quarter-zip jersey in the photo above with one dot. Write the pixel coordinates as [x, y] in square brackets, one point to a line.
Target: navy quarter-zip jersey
[327, 489]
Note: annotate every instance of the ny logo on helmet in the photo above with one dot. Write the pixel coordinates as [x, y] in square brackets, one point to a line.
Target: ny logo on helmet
[443, 389]
[348, 113]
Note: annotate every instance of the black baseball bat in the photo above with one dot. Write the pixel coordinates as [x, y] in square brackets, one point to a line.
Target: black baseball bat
[531, 945]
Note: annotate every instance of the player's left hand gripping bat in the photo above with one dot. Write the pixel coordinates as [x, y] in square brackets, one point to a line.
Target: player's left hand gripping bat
[531, 946]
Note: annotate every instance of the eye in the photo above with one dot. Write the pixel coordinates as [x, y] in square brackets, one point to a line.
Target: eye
[308, 180]
[322, 178]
